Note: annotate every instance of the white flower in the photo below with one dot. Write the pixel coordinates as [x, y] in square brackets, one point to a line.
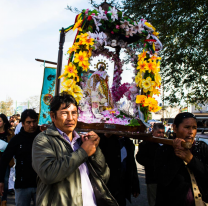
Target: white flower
[97, 23]
[101, 14]
[104, 38]
[138, 27]
[130, 31]
[114, 13]
[91, 35]
[125, 24]
[99, 37]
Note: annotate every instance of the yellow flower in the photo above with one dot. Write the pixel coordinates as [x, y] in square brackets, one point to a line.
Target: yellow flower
[155, 108]
[148, 84]
[82, 36]
[150, 26]
[112, 112]
[151, 66]
[155, 57]
[89, 53]
[81, 58]
[85, 66]
[153, 46]
[138, 79]
[156, 91]
[77, 24]
[156, 67]
[158, 79]
[140, 99]
[80, 42]
[155, 33]
[75, 91]
[73, 48]
[142, 56]
[89, 41]
[151, 102]
[70, 70]
[67, 84]
[142, 66]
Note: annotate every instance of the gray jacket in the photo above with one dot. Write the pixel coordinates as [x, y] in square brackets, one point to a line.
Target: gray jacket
[56, 165]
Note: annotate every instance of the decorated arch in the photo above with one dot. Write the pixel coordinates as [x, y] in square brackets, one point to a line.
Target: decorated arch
[97, 30]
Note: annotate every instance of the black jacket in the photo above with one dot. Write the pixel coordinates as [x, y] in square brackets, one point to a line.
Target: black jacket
[173, 178]
[146, 157]
[20, 146]
[111, 150]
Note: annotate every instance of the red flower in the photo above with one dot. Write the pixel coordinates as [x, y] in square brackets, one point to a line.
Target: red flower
[89, 18]
[112, 32]
[150, 40]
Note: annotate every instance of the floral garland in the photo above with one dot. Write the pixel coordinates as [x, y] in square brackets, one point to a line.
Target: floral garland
[81, 50]
[91, 26]
[149, 80]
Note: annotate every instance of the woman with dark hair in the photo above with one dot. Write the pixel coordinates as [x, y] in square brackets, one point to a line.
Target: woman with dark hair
[5, 134]
[182, 174]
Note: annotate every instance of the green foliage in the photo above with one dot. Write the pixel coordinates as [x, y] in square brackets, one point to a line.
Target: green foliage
[134, 123]
[122, 114]
[6, 107]
[184, 33]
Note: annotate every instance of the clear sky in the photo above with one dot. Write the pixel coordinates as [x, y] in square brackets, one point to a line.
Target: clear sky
[29, 30]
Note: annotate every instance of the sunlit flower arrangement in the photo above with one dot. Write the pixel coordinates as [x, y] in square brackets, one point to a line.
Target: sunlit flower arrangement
[98, 28]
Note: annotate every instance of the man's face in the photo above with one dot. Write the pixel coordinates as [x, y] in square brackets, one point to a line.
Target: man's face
[65, 119]
[158, 132]
[30, 125]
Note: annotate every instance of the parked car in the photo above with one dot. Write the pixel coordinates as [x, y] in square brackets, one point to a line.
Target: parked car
[202, 135]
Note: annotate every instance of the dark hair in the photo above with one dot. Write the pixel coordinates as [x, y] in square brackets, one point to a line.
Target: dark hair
[28, 113]
[6, 121]
[181, 116]
[60, 99]
[158, 126]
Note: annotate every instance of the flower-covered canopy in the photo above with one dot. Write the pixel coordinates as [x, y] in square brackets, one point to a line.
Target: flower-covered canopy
[99, 28]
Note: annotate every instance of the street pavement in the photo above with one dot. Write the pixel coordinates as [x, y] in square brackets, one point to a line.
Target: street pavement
[141, 200]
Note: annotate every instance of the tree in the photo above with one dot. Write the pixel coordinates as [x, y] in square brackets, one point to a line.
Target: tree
[6, 107]
[184, 34]
[34, 102]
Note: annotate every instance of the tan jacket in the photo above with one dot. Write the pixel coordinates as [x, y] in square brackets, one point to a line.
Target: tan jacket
[59, 181]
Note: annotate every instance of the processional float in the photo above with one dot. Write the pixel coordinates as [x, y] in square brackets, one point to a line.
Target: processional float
[99, 106]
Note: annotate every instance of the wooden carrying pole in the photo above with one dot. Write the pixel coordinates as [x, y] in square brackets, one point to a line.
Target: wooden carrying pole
[59, 63]
[142, 136]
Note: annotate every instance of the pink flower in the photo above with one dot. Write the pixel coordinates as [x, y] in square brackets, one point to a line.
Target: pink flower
[112, 32]
[117, 27]
[127, 36]
[106, 12]
[93, 14]
[86, 11]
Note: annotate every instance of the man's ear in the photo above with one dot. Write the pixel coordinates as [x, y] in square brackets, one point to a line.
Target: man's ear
[52, 115]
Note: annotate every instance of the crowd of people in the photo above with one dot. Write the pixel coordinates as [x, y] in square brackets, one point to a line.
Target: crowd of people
[58, 166]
